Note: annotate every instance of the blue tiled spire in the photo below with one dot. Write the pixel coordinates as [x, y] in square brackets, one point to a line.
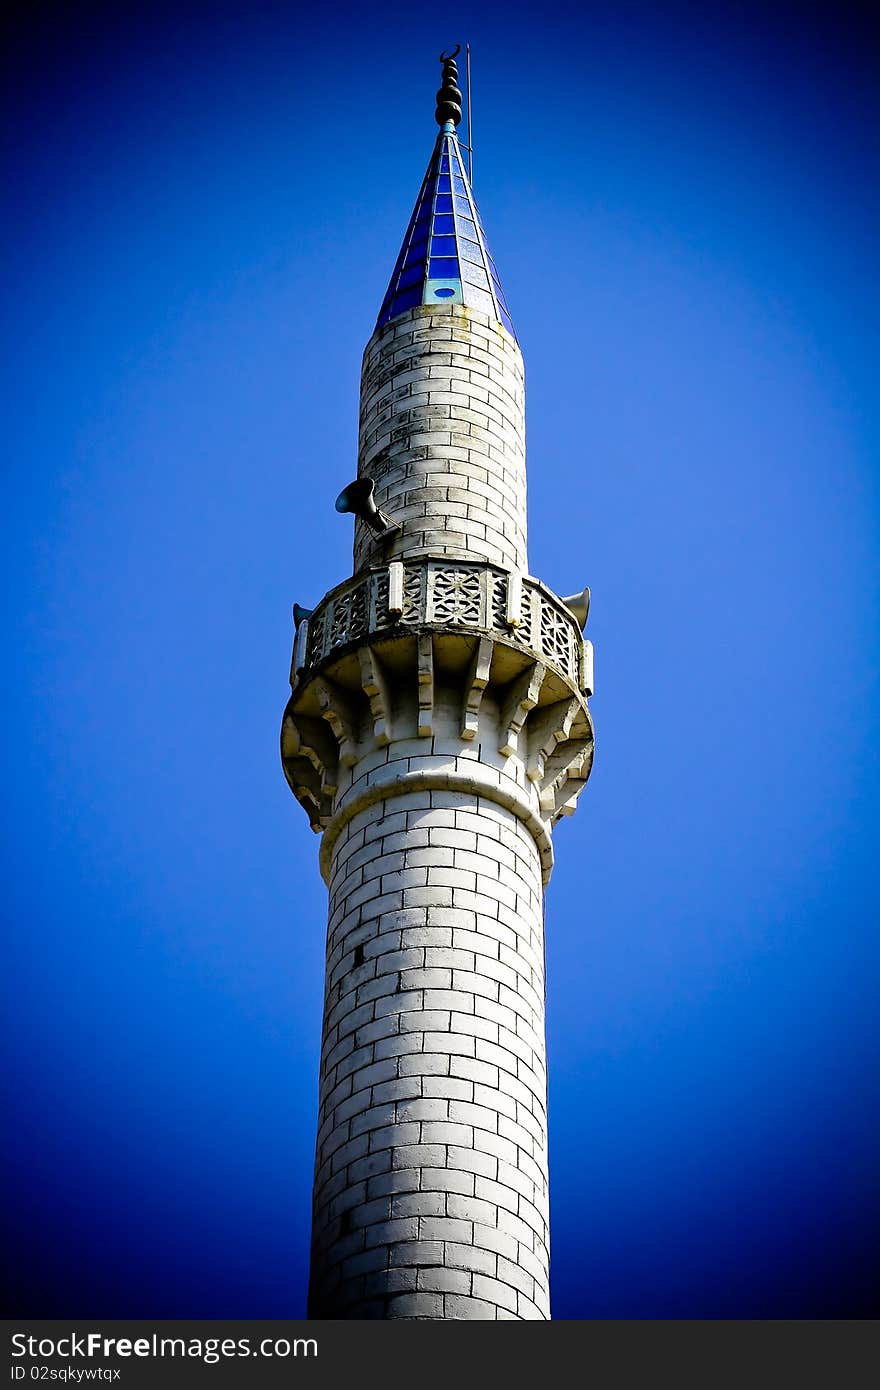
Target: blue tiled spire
[445, 258]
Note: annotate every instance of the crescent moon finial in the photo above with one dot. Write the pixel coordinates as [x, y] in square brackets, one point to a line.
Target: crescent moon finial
[449, 97]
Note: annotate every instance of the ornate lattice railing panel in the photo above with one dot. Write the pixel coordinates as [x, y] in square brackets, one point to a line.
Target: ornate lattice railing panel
[438, 592]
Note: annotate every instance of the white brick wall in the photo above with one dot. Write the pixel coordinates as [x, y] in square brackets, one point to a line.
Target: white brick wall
[442, 432]
[431, 1165]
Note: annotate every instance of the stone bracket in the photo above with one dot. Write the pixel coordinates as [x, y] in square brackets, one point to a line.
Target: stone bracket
[570, 762]
[375, 688]
[304, 737]
[318, 808]
[336, 707]
[475, 683]
[310, 761]
[521, 696]
[566, 803]
[546, 728]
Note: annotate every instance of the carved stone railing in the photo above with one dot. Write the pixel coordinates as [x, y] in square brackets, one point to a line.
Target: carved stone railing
[369, 665]
[441, 593]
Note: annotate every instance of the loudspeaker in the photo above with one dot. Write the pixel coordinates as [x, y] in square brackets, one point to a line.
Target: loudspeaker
[358, 498]
[300, 630]
[579, 605]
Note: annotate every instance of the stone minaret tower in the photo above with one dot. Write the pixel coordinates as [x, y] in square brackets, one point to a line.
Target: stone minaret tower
[437, 730]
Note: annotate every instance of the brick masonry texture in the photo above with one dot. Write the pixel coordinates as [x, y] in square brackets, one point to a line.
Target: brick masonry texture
[431, 1189]
[431, 1164]
[442, 432]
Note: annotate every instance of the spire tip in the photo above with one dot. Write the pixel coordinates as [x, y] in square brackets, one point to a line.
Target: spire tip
[449, 96]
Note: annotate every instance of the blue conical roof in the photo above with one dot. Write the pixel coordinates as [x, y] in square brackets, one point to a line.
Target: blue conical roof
[445, 258]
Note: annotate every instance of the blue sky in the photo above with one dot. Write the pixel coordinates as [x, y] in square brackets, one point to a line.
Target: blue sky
[203, 208]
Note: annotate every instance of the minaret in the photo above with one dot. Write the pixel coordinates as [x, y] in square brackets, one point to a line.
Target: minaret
[436, 731]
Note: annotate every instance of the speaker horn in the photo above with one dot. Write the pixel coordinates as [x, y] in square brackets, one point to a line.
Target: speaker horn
[579, 605]
[300, 640]
[358, 498]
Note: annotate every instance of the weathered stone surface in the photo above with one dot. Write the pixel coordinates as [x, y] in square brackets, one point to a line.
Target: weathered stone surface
[437, 729]
[447, 380]
[405, 969]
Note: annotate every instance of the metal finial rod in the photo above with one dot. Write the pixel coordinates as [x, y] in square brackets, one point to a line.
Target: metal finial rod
[470, 142]
[449, 96]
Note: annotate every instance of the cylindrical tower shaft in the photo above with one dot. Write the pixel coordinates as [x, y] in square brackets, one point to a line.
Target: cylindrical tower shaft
[431, 1167]
[437, 729]
[442, 434]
